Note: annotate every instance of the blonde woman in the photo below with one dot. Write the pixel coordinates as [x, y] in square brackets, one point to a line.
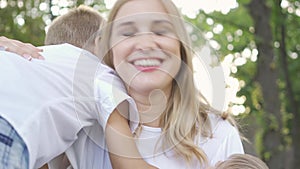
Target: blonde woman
[148, 46]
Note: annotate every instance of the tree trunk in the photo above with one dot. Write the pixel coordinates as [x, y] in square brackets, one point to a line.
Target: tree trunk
[289, 93]
[266, 77]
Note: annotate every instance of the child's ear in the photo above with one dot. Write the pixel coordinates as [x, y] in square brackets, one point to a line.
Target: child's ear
[97, 47]
[97, 41]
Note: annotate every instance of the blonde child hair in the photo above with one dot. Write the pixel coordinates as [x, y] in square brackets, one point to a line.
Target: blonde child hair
[77, 27]
[242, 161]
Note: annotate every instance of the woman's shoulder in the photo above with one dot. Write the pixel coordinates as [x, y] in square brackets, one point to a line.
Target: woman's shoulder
[221, 129]
[224, 141]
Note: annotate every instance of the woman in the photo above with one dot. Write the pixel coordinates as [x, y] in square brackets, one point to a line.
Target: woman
[148, 46]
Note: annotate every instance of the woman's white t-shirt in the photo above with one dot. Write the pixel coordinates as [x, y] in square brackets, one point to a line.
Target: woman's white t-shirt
[225, 141]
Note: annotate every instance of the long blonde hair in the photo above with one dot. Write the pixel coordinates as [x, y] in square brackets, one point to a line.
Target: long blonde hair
[186, 114]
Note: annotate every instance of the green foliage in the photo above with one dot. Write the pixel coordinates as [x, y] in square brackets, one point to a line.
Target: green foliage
[25, 21]
[237, 30]
[286, 18]
[22, 20]
[258, 141]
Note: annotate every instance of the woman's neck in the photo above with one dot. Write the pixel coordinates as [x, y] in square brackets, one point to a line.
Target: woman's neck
[151, 106]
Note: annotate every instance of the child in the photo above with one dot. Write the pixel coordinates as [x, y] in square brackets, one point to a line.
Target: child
[61, 102]
[241, 161]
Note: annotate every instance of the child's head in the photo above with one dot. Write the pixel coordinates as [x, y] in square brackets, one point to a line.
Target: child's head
[242, 161]
[77, 27]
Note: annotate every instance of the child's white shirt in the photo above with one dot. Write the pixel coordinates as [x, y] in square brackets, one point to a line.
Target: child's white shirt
[63, 100]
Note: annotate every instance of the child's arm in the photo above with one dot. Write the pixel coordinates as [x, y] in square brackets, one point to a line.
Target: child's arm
[123, 151]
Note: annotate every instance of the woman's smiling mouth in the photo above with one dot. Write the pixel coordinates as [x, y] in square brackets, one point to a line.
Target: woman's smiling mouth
[147, 65]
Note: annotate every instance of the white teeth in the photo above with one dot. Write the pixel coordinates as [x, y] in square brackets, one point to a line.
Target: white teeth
[147, 62]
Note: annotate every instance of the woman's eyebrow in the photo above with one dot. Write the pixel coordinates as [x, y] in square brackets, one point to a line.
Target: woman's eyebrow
[162, 21]
[125, 24]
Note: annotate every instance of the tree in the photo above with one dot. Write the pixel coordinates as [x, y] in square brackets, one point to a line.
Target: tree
[267, 75]
[285, 33]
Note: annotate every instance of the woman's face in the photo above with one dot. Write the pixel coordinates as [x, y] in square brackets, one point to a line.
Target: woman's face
[146, 51]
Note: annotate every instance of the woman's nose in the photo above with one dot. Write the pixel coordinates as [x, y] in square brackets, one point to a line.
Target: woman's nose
[145, 41]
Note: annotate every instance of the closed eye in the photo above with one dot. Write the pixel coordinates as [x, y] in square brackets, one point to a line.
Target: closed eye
[161, 32]
[126, 29]
[163, 28]
[128, 34]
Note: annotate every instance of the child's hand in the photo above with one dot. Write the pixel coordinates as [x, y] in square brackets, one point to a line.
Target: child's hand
[26, 50]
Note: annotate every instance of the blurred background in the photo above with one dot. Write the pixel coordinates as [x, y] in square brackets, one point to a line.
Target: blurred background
[257, 42]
